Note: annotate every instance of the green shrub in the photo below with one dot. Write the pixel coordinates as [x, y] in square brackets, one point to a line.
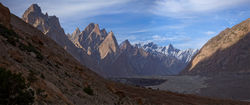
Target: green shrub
[32, 76]
[67, 74]
[14, 90]
[88, 90]
[31, 48]
[10, 35]
[42, 76]
[12, 38]
[41, 92]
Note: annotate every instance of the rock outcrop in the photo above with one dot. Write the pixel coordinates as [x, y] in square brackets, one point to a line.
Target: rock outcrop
[4, 16]
[226, 52]
[51, 27]
[109, 46]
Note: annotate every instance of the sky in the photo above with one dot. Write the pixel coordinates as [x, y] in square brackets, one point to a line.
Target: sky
[183, 23]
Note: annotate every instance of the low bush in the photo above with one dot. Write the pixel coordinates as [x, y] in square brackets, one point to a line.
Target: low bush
[32, 77]
[10, 35]
[88, 90]
[31, 48]
[14, 90]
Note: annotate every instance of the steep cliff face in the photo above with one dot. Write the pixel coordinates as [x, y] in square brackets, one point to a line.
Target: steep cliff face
[91, 38]
[74, 37]
[51, 27]
[109, 46]
[226, 52]
[5, 16]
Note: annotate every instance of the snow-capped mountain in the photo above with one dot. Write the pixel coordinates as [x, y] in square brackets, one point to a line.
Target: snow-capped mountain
[99, 50]
[169, 50]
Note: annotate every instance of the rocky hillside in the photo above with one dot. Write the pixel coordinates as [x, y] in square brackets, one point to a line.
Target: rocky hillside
[51, 27]
[225, 53]
[58, 79]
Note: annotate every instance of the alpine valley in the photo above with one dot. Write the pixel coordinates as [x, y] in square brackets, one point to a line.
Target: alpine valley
[42, 65]
[98, 49]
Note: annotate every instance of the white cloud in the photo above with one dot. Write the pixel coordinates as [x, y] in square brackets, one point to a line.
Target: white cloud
[194, 43]
[170, 38]
[160, 28]
[210, 33]
[139, 31]
[121, 38]
[159, 38]
[70, 9]
[187, 8]
[82, 8]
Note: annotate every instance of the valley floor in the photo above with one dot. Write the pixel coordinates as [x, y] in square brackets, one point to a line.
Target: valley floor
[224, 86]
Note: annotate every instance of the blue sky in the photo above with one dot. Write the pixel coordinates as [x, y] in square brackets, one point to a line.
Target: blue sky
[184, 23]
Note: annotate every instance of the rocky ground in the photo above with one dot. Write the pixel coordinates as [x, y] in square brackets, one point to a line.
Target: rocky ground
[220, 86]
[182, 84]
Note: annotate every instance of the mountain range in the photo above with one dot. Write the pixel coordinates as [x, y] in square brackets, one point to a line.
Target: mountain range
[170, 50]
[57, 78]
[99, 50]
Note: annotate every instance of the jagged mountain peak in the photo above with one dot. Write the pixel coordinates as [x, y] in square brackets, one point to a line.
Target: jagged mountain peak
[35, 8]
[111, 32]
[50, 26]
[97, 29]
[125, 44]
[108, 46]
[170, 46]
[104, 32]
[77, 31]
[89, 28]
[111, 36]
[75, 35]
[169, 50]
[32, 12]
[34, 16]
[150, 45]
[92, 27]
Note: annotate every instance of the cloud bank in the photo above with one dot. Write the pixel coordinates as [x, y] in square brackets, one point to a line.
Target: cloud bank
[190, 8]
